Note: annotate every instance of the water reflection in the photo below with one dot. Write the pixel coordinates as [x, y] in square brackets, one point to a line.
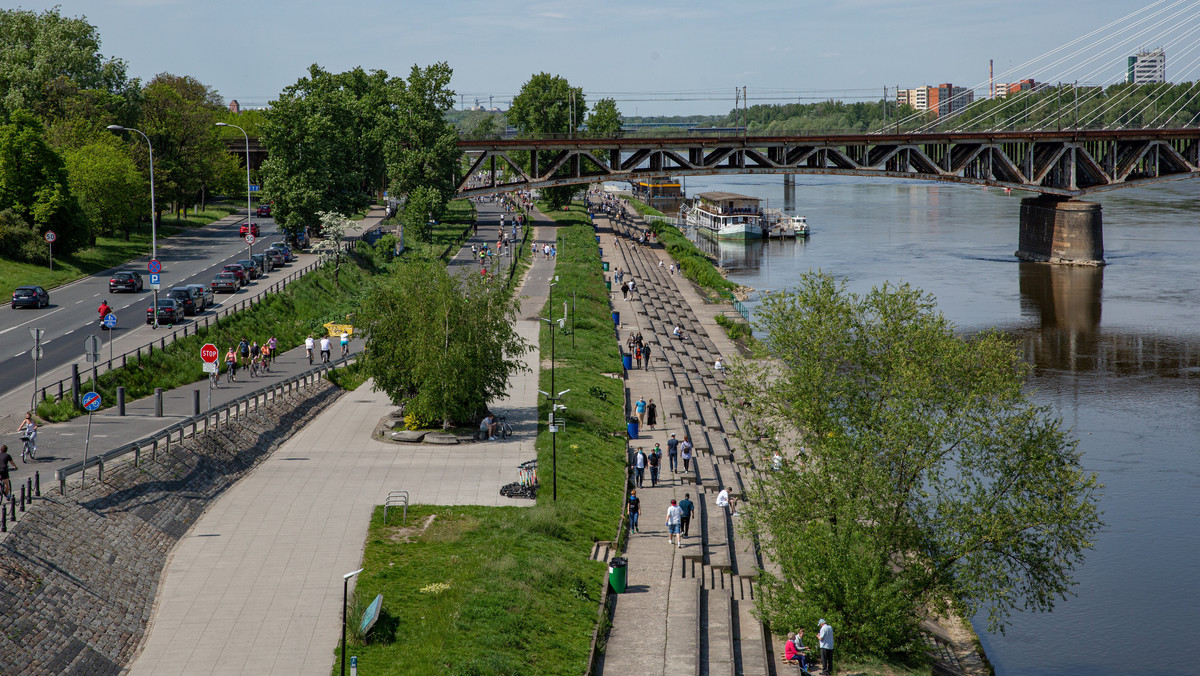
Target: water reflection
[730, 254]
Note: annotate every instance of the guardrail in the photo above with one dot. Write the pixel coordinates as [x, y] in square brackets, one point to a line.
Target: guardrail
[737, 304]
[199, 424]
[66, 385]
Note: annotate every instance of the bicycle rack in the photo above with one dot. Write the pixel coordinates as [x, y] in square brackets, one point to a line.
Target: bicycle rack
[396, 499]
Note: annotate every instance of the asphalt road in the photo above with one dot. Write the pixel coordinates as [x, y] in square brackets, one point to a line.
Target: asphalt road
[192, 257]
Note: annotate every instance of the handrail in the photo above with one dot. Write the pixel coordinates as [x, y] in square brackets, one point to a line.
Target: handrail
[231, 410]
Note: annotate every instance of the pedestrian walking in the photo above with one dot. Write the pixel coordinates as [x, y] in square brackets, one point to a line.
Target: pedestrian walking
[687, 507]
[646, 357]
[637, 357]
[673, 517]
[651, 414]
[673, 453]
[639, 466]
[685, 451]
[635, 509]
[825, 643]
[655, 463]
[640, 409]
[624, 290]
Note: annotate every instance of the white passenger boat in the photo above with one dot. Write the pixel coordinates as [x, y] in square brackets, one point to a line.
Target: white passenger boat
[780, 225]
[724, 215]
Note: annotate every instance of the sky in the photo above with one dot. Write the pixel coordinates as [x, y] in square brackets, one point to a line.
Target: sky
[664, 57]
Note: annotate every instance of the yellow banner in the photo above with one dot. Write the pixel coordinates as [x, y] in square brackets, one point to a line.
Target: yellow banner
[339, 329]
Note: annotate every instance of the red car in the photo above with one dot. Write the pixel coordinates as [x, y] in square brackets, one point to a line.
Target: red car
[264, 211]
[251, 229]
[239, 271]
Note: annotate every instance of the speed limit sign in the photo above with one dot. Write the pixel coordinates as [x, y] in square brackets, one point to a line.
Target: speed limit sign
[50, 236]
[249, 239]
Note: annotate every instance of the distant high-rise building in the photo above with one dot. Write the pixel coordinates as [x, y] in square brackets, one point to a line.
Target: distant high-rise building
[917, 98]
[1147, 67]
[234, 107]
[1002, 89]
[943, 99]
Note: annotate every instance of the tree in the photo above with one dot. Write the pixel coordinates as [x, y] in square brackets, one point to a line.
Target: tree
[111, 190]
[548, 104]
[443, 344]
[333, 231]
[604, 122]
[924, 476]
[424, 145]
[44, 55]
[422, 206]
[34, 185]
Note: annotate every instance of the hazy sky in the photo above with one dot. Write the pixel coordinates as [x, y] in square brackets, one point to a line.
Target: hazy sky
[658, 57]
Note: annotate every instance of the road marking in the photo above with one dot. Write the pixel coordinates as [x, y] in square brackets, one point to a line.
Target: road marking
[20, 353]
[36, 319]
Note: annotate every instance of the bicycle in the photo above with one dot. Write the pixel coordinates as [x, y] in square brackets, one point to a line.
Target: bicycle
[503, 429]
[30, 446]
[214, 380]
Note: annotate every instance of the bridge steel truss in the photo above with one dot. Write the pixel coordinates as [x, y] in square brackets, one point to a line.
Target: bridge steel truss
[1064, 163]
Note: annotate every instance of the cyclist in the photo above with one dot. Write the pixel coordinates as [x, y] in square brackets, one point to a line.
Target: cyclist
[345, 343]
[266, 357]
[309, 343]
[272, 343]
[325, 348]
[6, 461]
[30, 427]
[231, 365]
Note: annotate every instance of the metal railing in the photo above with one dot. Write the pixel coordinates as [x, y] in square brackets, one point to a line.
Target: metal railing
[64, 385]
[737, 304]
[396, 499]
[199, 424]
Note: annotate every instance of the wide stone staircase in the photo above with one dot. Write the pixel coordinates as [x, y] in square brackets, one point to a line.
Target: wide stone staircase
[709, 599]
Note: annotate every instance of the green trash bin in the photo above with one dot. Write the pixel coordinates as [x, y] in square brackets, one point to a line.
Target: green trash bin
[618, 572]
[604, 265]
[608, 285]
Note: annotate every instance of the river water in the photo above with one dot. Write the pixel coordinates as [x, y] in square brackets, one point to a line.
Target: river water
[1116, 351]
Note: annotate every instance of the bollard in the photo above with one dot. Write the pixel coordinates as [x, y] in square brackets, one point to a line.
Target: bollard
[22, 498]
[12, 503]
[100, 469]
[75, 384]
[163, 343]
[29, 485]
[37, 484]
[3, 520]
[62, 481]
[195, 402]
[121, 400]
[123, 362]
[158, 413]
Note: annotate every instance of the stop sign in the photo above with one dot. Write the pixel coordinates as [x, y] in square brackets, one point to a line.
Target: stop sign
[209, 353]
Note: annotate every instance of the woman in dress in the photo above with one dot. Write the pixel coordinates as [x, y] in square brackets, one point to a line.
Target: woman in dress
[651, 414]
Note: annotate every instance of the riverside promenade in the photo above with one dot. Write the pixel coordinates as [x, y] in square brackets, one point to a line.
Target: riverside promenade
[256, 585]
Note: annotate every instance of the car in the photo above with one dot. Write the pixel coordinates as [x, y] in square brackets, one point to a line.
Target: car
[264, 262]
[125, 280]
[251, 268]
[169, 312]
[263, 211]
[185, 297]
[205, 292]
[226, 281]
[238, 270]
[251, 229]
[30, 296]
[276, 257]
[282, 248]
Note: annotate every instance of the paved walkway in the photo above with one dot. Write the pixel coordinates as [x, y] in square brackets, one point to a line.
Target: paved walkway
[256, 586]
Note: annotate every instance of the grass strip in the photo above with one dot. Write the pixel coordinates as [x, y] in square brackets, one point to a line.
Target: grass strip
[512, 590]
[109, 252]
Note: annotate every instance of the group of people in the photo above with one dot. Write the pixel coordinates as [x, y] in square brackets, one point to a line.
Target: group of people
[640, 350]
[647, 413]
[679, 517]
[249, 355]
[796, 652]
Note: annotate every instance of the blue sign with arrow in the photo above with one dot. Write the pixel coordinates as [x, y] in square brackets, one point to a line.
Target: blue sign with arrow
[91, 401]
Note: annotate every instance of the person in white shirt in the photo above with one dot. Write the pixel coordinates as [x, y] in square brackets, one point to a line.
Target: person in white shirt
[825, 641]
[309, 344]
[724, 500]
[719, 367]
[325, 347]
[674, 514]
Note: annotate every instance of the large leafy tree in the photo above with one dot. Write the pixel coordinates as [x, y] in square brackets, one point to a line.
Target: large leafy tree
[604, 121]
[424, 145]
[442, 343]
[324, 140]
[110, 188]
[547, 105]
[34, 188]
[45, 58]
[922, 475]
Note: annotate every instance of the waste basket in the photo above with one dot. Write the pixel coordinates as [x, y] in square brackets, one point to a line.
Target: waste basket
[604, 265]
[627, 359]
[608, 285]
[632, 427]
[616, 319]
[618, 574]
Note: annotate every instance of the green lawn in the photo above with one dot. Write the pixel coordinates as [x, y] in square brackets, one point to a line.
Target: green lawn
[460, 214]
[522, 592]
[109, 252]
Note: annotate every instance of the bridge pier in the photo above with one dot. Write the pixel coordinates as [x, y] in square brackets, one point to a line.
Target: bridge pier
[1063, 231]
[789, 193]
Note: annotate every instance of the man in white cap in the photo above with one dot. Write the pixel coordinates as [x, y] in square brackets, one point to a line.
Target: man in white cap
[825, 641]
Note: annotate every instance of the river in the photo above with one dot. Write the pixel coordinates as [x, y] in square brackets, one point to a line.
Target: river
[1116, 352]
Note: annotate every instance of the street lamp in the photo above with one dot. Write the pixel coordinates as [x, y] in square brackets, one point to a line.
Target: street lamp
[346, 602]
[153, 223]
[553, 400]
[249, 230]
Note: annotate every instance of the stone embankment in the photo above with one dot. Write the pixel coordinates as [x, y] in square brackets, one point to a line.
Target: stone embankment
[79, 573]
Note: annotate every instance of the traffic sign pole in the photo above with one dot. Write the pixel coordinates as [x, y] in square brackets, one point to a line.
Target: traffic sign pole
[208, 355]
[91, 402]
[36, 334]
[50, 237]
[154, 267]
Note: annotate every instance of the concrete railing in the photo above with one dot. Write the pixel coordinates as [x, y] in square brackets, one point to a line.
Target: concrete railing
[199, 424]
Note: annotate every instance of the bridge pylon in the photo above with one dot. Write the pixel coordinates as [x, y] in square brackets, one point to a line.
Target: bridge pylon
[1059, 230]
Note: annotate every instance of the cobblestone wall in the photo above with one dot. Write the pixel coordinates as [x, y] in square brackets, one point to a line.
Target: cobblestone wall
[78, 574]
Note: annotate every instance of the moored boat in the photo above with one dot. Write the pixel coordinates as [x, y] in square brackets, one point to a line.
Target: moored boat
[724, 215]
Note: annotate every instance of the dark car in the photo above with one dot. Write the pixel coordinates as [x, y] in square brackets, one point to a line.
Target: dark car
[204, 292]
[30, 296]
[276, 257]
[251, 268]
[226, 281]
[186, 299]
[169, 312]
[264, 262]
[237, 269]
[282, 248]
[126, 280]
[251, 229]
[263, 211]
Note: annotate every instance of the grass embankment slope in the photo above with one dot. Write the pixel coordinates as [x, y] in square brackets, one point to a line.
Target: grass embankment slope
[512, 590]
[109, 252]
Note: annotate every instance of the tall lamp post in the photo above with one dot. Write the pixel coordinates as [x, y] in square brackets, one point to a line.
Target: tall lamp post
[249, 214]
[553, 399]
[153, 223]
[346, 602]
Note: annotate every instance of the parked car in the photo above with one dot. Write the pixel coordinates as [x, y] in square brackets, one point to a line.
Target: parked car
[125, 280]
[264, 262]
[251, 268]
[205, 292]
[186, 299]
[276, 257]
[251, 229]
[284, 249]
[30, 296]
[169, 312]
[263, 211]
[226, 281]
[237, 269]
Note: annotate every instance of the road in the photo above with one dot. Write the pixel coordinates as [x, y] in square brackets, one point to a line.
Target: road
[191, 257]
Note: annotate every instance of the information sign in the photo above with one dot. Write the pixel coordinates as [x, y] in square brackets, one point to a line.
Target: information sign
[91, 401]
[91, 348]
[110, 321]
[155, 280]
[210, 368]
